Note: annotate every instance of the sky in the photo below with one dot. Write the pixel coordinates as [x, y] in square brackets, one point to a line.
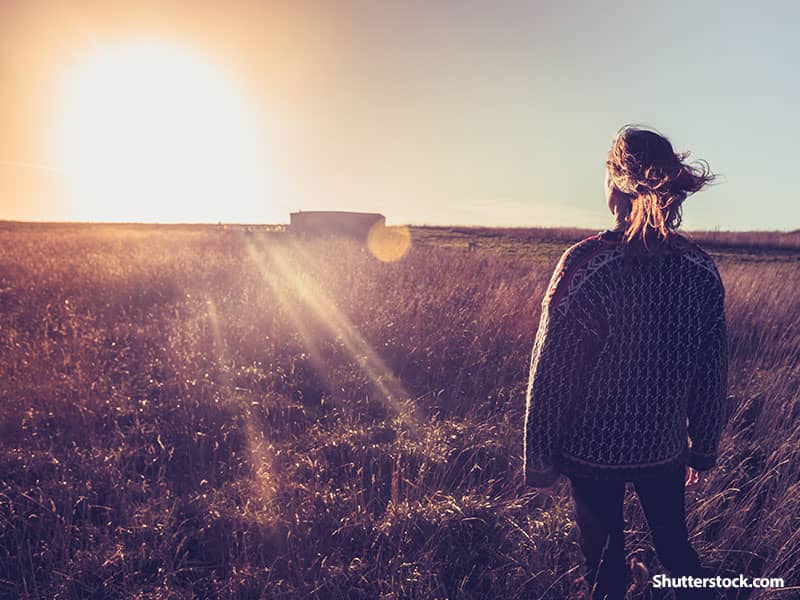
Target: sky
[468, 112]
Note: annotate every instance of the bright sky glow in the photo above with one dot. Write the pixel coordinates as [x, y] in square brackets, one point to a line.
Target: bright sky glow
[150, 132]
[469, 112]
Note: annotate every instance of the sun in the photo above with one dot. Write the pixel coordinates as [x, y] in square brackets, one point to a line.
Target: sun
[149, 131]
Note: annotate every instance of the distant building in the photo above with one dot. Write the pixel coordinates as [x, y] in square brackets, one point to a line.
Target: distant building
[351, 224]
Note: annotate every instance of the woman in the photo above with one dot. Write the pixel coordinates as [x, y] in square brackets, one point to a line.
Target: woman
[628, 374]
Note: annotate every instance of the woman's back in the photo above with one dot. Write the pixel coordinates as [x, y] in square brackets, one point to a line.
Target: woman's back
[652, 339]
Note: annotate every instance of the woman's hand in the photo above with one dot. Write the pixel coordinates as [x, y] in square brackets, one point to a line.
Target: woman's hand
[693, 477]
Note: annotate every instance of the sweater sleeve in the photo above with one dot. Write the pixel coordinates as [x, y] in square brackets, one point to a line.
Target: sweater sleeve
[555, 367]
[707, 409]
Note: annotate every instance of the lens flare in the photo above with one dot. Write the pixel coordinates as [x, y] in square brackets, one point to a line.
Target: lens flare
[388, 244]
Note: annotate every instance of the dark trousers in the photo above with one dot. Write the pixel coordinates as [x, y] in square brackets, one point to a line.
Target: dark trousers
[598, 512]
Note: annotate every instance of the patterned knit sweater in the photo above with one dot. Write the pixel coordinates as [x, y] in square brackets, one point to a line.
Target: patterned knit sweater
[629, 368]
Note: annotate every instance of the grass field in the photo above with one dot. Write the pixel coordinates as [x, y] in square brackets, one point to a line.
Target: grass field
[209, 412]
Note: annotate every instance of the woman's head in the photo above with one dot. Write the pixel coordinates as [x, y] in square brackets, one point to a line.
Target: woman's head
[649, 181]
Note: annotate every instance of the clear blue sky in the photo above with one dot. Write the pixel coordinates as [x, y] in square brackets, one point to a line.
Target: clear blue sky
[492, 112]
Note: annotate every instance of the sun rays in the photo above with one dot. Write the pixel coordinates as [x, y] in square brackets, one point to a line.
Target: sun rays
[278, 266]
[286, 269]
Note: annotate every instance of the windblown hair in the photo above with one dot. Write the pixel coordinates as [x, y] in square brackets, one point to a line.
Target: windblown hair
[643, 165]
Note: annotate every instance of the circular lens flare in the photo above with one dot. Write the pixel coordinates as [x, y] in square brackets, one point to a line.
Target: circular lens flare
[388, 244]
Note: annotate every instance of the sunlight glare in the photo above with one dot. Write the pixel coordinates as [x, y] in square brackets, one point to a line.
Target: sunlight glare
[287, 280]
[149, 131]
[388, 244]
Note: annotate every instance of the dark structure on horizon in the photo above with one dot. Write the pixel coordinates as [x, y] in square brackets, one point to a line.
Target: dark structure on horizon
[351, 224]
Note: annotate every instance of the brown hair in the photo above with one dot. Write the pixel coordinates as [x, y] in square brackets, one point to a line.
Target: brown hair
[643, 165]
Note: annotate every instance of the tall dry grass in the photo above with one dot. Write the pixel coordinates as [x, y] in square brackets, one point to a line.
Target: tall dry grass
[201, 412]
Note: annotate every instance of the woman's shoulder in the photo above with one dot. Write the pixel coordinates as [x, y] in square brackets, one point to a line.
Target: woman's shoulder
[577, 264]
[587, 247]
[695, 254]
[591, 250]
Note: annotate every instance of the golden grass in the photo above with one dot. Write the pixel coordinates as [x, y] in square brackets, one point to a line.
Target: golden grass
[203, 411]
